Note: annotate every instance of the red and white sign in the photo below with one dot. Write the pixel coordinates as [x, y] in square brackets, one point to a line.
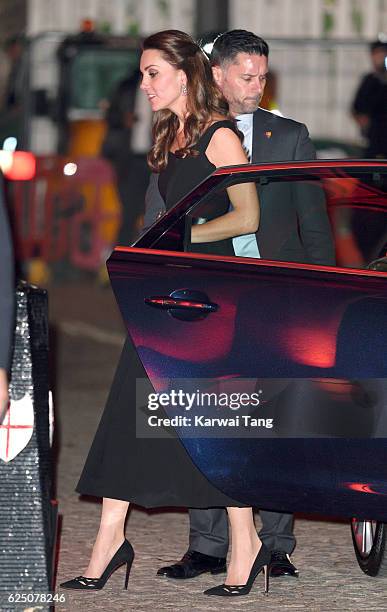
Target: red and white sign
[16, 428]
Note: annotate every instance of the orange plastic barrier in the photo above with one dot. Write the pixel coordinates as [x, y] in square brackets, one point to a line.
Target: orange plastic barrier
[69, 211]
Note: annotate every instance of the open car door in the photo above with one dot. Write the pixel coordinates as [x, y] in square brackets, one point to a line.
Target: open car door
[311, 338]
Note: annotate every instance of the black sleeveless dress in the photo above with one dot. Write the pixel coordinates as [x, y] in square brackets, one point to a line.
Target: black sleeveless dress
[151, 472]
[183, 174]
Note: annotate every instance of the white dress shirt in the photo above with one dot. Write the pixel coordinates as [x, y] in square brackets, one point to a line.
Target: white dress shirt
[246, 245]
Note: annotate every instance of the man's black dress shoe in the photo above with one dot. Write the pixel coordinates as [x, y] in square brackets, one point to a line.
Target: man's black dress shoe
[193, 564]
[281, 565]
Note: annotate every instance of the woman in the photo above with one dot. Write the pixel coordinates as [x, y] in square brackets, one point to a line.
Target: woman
[193, 134]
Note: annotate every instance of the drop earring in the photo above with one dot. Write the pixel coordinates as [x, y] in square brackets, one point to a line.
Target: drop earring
[184, 90]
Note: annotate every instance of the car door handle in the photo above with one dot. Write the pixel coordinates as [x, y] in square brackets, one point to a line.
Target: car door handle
[184, 304]
[165, 303]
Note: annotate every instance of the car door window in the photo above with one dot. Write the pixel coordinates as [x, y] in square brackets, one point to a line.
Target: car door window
[299, 216]
[302, 210]
[357, 207]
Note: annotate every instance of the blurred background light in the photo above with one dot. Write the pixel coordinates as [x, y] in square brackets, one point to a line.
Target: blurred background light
[70, 169]
[18, 166]
[10, 144]
[5, 161]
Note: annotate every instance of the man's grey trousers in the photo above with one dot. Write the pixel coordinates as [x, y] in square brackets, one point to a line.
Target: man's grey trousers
[209, 531]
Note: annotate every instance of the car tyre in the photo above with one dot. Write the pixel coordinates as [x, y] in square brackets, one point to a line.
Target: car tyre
[370, 544]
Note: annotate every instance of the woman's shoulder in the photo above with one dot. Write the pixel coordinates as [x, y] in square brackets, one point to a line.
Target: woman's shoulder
[219, 122]
[224, 145]
[222, 132]
[218, 129]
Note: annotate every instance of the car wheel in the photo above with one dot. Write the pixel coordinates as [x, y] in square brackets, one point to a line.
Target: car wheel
[370, 543]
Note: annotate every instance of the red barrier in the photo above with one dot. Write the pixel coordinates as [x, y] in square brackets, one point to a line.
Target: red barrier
[68, 212]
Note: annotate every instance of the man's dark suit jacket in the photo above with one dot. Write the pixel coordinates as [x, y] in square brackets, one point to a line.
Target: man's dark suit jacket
[294, 225]
[6, 286]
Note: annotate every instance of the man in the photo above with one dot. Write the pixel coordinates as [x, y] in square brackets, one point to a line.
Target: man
[14, 48]
[369, 107]
[6, 302]
[292, 230]
[117, 148]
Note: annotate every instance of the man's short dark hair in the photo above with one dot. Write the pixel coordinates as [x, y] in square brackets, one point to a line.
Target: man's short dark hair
[228, 45]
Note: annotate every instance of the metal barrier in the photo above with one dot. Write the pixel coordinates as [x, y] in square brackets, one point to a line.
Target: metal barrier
[69, 212]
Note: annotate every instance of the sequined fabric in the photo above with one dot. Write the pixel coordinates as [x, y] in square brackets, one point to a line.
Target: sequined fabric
[27, 516]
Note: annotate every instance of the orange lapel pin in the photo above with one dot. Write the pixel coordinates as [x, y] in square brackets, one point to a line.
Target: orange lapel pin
[268, 134]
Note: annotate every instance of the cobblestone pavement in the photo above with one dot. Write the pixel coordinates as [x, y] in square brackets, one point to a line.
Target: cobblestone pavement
[88, 338]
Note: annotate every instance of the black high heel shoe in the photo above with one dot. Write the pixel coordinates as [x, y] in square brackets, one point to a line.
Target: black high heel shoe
[261, 562]
[125, 554]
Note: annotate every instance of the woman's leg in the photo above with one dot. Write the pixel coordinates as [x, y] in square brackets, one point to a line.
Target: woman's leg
[245, 545]
[110, 535]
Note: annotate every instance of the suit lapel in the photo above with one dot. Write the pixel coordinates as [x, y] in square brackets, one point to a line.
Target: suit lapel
[265, 137]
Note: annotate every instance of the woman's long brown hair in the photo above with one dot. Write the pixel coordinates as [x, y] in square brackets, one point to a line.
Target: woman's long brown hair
[204, 99]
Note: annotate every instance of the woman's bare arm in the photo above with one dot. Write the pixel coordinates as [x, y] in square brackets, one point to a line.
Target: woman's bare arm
[225, 149]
